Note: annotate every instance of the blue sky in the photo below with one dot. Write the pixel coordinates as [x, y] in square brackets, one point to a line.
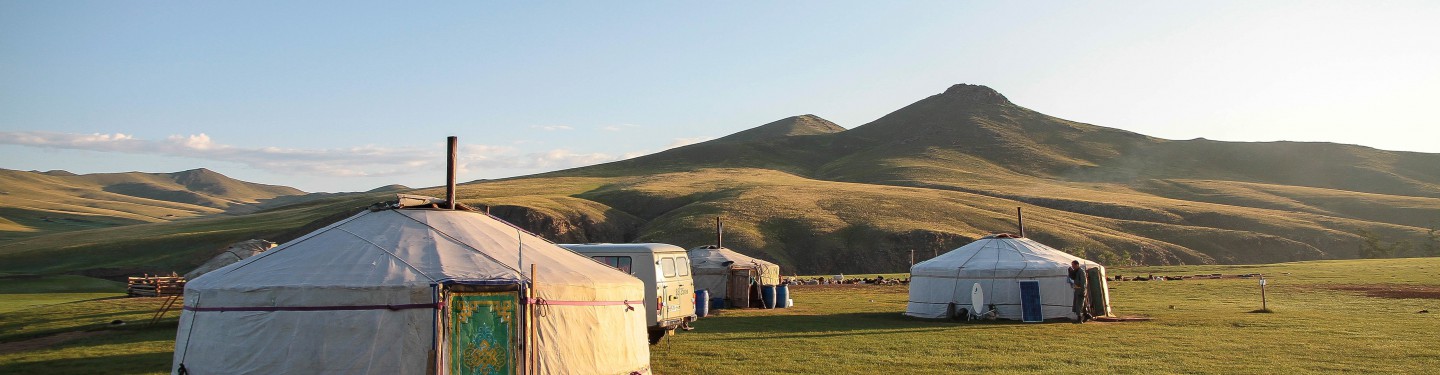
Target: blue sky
[344, 96]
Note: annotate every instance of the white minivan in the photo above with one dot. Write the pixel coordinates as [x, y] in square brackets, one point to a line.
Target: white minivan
[665, 269]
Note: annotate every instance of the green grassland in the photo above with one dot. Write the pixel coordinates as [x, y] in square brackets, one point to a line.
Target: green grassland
[1198, 326]
[167, 247]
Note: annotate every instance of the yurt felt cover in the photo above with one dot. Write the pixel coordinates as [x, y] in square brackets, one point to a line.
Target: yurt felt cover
[708, 266]
[360, 297]
[998, 264]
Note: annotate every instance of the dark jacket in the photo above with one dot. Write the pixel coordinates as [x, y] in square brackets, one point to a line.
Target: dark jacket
[1077, 277]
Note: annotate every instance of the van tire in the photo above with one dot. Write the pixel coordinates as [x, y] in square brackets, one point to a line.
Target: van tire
[656, 336]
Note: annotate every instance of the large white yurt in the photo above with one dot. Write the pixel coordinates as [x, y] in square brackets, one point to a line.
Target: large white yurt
[1002, 265]
[414, 290]
[717, 269]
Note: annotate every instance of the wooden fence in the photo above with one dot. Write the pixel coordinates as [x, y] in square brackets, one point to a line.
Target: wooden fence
[156, 286]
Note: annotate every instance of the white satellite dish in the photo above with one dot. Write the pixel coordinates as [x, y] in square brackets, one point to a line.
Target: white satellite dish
[977, 299]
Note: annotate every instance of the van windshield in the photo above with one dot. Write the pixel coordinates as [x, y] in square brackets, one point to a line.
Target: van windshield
[620, 263]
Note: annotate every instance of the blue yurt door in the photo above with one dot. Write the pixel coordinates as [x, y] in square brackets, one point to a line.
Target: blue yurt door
[1030, 308]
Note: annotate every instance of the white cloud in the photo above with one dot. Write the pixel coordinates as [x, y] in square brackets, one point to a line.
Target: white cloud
[358, 161]
[565, 159]
[677, 142]
[551, 128]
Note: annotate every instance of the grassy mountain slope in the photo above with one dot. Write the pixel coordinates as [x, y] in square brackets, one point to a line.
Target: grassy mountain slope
[927, 178]
[1231, 202]
[57, 201]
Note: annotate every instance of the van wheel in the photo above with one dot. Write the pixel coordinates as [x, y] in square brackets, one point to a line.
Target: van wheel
[656, 336]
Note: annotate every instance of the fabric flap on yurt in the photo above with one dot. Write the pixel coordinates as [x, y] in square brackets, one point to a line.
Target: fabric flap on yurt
[363, 296]
[998, 263]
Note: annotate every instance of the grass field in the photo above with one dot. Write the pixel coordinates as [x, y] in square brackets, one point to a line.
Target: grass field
[1329, 316]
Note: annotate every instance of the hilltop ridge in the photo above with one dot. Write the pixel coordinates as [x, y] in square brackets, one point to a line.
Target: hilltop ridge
[787, 127]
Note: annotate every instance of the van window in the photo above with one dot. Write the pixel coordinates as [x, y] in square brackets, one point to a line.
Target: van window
[683, 265]
[620, 263]
[668, 265]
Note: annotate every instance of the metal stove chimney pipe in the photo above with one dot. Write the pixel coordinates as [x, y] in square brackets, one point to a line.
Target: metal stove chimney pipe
[1021, 218]
[719, 233]
[450, 173]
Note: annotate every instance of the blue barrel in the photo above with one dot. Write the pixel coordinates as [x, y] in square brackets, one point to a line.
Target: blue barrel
[717, 303]
[702, 303]
[782, 296]
[767, 296]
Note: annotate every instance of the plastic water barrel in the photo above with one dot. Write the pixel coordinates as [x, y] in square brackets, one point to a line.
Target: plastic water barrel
[782, 296]
[702, 303]
[767, 296]
[717, 303]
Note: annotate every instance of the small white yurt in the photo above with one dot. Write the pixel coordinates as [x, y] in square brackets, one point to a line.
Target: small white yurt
[414, 290]
[234, 253]
[718, 269]
[1008, 270]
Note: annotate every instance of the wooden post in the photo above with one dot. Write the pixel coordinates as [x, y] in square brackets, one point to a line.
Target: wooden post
[531, 351]
[1264, 304]
[452, 141]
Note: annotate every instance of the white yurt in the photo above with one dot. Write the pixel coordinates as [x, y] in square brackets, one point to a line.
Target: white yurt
[234, 253]
[414, 290]
[1002, 265]
[716, 268]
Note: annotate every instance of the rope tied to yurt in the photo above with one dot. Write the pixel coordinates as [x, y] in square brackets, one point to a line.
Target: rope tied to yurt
[537, 301]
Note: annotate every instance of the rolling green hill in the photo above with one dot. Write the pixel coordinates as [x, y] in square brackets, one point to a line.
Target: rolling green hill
[58, 201]
[926, 178]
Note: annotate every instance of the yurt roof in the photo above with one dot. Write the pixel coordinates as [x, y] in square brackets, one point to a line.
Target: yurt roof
[409, 246]
[1001, 255]
[711, 256]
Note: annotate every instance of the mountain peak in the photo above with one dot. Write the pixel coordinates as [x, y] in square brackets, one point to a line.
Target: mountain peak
[58, 172]
[198, 171]
[806, 124]
[388, 188]
[974, 94]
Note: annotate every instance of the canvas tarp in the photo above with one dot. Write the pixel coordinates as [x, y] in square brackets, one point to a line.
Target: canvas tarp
[361, 296]
[998, 264]
[710, 267]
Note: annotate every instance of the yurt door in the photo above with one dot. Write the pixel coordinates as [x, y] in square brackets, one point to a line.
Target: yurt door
[1030, 308]
[483, 335]
[737, 287]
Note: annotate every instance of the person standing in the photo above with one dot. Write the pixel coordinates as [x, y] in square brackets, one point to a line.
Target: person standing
[1077, 281]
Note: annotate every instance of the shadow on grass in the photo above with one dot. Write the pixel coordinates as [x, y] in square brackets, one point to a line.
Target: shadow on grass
[164, 325]
[845, 324]
[143, 363]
